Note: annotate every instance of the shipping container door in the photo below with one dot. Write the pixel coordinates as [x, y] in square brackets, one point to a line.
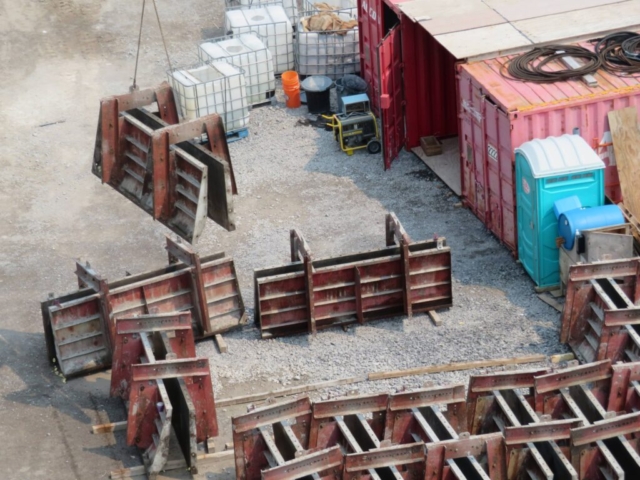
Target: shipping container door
[391, 95]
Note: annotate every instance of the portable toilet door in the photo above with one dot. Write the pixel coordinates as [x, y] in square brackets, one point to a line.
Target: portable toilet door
[549, 170]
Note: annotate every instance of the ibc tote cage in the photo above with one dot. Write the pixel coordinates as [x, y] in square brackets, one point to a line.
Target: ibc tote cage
[259, 79]
[291, 10]
[205, 97]
[330, 53]
[267, 32]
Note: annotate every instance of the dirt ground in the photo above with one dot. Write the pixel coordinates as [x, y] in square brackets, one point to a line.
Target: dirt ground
[61, 57]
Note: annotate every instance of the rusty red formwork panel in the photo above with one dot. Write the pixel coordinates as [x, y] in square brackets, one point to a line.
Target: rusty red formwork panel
[168, 388]
[600, 319]
[506, 400]
[308, 295]
[79, 327]
[276, 435]
[155, 162]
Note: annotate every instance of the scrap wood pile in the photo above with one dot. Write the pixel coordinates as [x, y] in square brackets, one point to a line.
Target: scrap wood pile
[327, 21]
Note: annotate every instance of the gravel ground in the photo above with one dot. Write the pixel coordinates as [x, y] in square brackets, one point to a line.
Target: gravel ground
[295, 176]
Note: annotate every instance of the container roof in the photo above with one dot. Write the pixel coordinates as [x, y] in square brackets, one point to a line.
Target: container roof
[475, 29]
[513, 95]
[560, 155]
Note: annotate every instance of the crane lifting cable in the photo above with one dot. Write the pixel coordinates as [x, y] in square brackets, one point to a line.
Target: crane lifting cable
[533, 66]
[613, 53]
[164, 43]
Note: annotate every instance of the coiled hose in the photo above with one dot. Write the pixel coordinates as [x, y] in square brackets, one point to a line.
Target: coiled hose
[530, 66]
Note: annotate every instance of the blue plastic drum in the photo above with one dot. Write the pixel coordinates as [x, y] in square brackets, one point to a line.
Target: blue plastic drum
[574, 221]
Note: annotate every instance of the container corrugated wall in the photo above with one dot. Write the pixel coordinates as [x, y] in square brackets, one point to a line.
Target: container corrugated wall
[498, 115]
[429, 71]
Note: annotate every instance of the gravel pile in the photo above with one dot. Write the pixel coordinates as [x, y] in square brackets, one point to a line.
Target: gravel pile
[294, 176]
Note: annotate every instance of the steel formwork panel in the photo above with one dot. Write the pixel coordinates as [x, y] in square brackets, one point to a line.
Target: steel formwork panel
[79, 327]
[600, 317]
[308, 294]
[167, 387]
[155, 162]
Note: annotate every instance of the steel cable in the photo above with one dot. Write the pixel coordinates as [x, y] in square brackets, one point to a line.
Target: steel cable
[530, 66]
[613, 53]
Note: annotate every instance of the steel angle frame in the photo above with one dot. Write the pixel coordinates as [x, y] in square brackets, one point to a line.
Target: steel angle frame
[155, 162]
[308, 294]
[168, 388]
[600, 317]
[79, 327]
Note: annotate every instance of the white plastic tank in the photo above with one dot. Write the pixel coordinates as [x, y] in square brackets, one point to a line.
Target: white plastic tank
[290, 6]
[249, 53]
[272, 24]
[329, 54]
[217, 87]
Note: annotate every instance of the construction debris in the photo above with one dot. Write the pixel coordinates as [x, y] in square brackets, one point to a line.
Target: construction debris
[80, 327]
[309, 295]
[156, 163]
[511, 425]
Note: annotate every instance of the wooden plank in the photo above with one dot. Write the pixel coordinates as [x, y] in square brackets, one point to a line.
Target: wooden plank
[109, 427]
[514, 10]
[446, 165]
[222, 345]
[453, 367]
[626, 146]
[140, 470]
[483, 41]
[445, 16]
[551, 301]
[435, 318]
[562, 357]
[283, 392]
[581, 22]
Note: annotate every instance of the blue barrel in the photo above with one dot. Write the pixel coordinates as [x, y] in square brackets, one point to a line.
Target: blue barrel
[574, 221]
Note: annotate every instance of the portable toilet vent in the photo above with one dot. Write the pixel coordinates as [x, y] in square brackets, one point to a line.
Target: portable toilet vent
[546, 171]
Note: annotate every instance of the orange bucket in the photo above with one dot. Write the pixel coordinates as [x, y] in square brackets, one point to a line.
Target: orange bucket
[291, 87]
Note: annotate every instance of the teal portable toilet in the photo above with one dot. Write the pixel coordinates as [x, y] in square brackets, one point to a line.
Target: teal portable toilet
[548, 170]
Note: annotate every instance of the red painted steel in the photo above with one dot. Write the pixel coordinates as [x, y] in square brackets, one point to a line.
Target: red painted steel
[312, 294]
[600, 319]
[154, 162]
[391, 96]
[129, 348]
[497, 115]
[79, 327]
[427, 79]
[168, 388]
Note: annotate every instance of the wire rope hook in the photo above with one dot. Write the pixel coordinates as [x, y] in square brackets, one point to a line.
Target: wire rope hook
[134, 87]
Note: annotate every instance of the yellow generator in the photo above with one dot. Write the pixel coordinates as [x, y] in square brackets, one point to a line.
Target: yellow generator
[356, 127]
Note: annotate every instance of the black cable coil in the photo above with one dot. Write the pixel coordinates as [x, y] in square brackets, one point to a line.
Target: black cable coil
[530, 66]
[613, 53]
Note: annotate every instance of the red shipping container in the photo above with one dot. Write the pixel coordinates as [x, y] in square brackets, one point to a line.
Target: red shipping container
[497, 115]
[414, 92]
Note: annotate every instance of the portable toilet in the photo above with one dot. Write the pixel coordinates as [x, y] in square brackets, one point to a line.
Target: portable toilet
[546, 171]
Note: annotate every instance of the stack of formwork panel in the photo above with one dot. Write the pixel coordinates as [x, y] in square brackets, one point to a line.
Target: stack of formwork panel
[600, 319]
[80, 327]
[167, 388]
[575, 423]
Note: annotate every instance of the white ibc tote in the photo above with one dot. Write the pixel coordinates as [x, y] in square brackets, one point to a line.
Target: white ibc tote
[216, 87]
[290, 6]
[327, 53]
[272, 24]
[249, 53]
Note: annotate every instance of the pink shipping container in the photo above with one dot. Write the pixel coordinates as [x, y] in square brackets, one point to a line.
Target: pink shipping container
[497, 115]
